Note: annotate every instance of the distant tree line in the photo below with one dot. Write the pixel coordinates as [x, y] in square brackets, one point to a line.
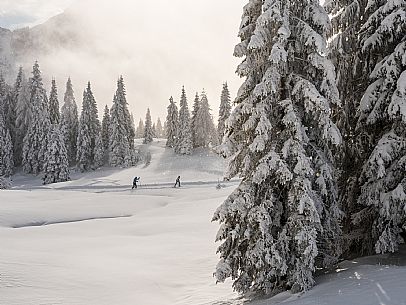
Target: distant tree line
[42, 138]
[186, 131]
[39, 137]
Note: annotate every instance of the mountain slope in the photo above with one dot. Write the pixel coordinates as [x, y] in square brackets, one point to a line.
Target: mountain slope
[23, 46]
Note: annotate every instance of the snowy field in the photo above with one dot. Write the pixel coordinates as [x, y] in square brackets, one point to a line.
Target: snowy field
[94, 241]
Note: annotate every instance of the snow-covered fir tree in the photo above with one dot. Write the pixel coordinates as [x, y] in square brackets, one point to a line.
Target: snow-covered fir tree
[196, 105]
[105, 132]
[139, 133]
[282, 221]
[184, 145]
[130, 129]
[128, 117]
[154, 131]
[381, 127]
[3, 95]
[345, 53]
[159, 129]
[100, 152]
[224, 112]
[54, 114]
[120, 146]
[148, 132]
[11, 114]
[84, 152]
[20, 96]
[132, 136]
[6, 150]
[205, 132]
[172, 124]
[9, 109]
[89, 128]
[96, 125]
[36, 138]
[70, 122]
[56, 163]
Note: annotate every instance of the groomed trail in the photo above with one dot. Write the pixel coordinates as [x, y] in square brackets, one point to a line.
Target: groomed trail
[120, 188]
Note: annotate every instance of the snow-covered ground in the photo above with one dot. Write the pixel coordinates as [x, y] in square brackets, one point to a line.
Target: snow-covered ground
[95, 241]
[376, 280]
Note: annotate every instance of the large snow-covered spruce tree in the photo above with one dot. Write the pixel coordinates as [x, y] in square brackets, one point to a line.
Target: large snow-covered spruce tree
[224, 112]
[184, 145]
[172, 124]
[282, 221]
[148, 130]
[381, 127]
[89, 128]
[36, 138]
[205, 132]
[70, 122]
[56, 163]
[128, 118]
[120, 146]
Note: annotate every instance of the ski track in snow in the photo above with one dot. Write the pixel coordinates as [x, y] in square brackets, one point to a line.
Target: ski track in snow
[119, 188]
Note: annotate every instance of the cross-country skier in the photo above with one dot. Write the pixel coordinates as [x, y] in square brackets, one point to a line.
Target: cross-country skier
[177, 183]
[136, 179]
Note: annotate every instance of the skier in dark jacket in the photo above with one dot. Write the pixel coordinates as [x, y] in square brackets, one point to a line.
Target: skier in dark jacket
[177, 183]
[136, 179]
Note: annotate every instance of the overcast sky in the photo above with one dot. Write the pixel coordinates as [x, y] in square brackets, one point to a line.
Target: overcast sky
[157, 45]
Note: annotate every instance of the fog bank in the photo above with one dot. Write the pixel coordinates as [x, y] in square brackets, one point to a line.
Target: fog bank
[157, 46]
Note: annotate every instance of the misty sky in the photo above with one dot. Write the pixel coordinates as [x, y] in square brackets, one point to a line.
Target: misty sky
[20, 13]
[157, 46]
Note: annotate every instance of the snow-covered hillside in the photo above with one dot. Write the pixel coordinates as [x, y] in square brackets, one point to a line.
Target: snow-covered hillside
[6, 53]
[24, 46]
[93, 240]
